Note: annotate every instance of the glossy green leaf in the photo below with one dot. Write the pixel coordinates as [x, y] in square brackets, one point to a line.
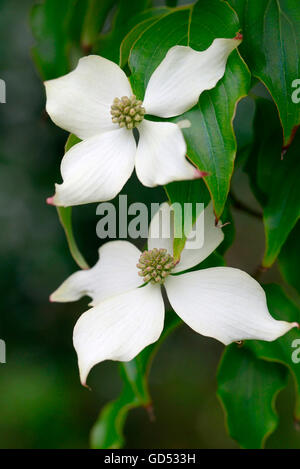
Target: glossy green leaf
[145, 20]
[96, 13]
[171, 3]
[71, 141]
[247, 389]
[56, 28]
[108, 43]
[243, 129]
[283, 208]
[193, 192]
[288, 258]
[183, 192]
[153, 44]
[286, 349]
[271, 48]
[108, 430]
[210, 139]
[65, 217]
[275, 179]
[61, 43]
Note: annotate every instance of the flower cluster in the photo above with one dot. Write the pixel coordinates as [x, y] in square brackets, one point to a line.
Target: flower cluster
[96, 103]
[126, 316]
[155, 265]
[127, 112]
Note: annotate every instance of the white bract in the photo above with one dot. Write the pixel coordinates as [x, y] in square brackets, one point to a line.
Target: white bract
[96, 103]
[220, 302]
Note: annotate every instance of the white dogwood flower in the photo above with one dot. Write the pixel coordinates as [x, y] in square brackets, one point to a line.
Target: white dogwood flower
[96, 103]
[220, 302]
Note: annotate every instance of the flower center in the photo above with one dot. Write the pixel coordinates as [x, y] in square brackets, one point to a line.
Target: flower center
[155, 265]
[127, 112]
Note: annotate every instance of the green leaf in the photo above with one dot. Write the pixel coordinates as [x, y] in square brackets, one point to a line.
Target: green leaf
[61, 43]
[274, 179]
[247, 389]
[108, 430]
[243, 129]
[183, 192]
[152, 46]
[288, 259]
[283, 208]
[94, 20]
[271, 48]
[266, 149]
[65, 217]
[194, 192]
[108, 44]
[146, 19]
[57, 32]
[171, 3]
[71, 141]
[283, 350]
[210, 140]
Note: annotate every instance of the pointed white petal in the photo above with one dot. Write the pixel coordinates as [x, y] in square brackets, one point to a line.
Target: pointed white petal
[80, 101]
[96, 169]
[224, 303]
[160, 157]
[72, 289]
[119, 328]
[212, 237]
[160, 229]
[113, 274]
[183, 75]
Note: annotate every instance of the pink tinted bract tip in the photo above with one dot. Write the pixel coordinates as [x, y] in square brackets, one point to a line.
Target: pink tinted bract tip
[200, 174]
[239, 37]
[49, 200]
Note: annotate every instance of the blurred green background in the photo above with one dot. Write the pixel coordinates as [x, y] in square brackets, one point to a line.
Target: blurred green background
[42, 404]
